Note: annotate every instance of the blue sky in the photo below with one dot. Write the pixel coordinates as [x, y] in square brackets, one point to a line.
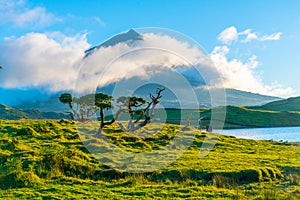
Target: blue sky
[254, 41]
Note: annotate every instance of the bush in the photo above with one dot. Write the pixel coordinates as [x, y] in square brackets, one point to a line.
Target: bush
[224, 182]
[136, 179]
[269, 194]
[15, 176]
[293, 179]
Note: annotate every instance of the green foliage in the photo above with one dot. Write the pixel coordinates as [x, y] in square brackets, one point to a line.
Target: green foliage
[66, 98]
[131, 101]
[103, 100]
[82, 108]
[13, 175]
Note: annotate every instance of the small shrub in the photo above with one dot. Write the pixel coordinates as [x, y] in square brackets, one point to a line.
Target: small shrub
[293, 179]
[137, 179]
[269, 194]
[250, 175]
[221, 181]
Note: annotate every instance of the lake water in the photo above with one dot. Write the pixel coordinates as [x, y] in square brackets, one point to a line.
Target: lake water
[291, 134]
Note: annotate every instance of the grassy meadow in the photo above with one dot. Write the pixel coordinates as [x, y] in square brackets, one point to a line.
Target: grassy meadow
[47, 159]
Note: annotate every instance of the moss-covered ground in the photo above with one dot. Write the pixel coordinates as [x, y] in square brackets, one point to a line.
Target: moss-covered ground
[48, 159]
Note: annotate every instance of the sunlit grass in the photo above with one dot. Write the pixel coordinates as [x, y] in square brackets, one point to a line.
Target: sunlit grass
[48, 159]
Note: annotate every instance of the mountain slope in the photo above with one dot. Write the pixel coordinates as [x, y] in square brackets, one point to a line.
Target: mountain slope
[242, 117]
[10, 113]
[290, 104]
[51, 104]
[7, 112]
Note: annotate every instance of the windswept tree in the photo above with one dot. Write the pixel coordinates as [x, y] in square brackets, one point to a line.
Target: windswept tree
[104, 102]
[86, 106]
[138, 117]
[67, 98]
[82, 108]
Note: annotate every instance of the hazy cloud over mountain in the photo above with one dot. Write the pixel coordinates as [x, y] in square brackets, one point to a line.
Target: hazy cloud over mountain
[54, 60]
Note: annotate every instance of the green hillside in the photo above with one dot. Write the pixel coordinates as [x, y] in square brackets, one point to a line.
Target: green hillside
[236, 117]
[7, 112]
[10, 113]
[241, 117]
[47, 160]
[290, 104]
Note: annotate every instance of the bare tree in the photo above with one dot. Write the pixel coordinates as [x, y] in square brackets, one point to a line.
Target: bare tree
[127, 105]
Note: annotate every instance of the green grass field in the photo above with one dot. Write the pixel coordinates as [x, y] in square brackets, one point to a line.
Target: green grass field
[46, 159]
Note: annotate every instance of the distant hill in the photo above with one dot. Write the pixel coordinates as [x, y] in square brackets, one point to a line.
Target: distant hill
[290, 104]
[10, 113]
[236, 117]
[7, 112]
[242, 98]
[242, 117]
[52, 104]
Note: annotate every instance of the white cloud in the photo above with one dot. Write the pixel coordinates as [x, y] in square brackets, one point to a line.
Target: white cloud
[20, 15]
[152, 55]
[38, 60]
[86, 20]
[274, 36]
[277, 89]
[243, 76]
[52, 60]
[228, 35]
[231, 34]
[249, 35]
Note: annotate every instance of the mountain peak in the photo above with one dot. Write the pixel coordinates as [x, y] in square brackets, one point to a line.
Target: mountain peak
[133, 33]
[128, 37]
